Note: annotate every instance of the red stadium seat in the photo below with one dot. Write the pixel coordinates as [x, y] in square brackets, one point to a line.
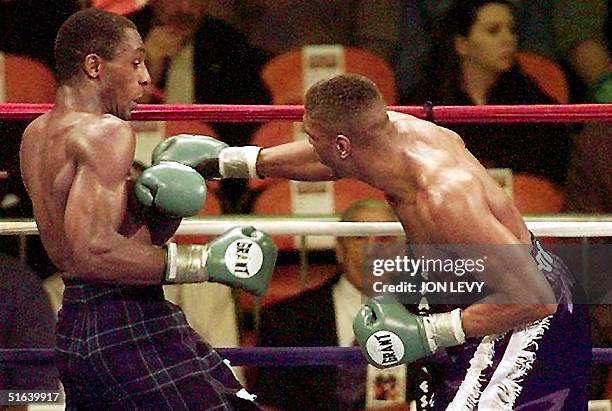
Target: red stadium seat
[275, 200]
[283, 74]
[536, 195]
[27, 80]
[546, 73]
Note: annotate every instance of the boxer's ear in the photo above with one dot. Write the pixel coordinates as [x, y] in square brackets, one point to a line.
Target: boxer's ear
[92, 65]
[343, 146]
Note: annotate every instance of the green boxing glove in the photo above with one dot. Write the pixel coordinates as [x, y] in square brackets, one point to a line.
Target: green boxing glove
[242, 257]
[171, 188]
[212, 158]
[390, 335]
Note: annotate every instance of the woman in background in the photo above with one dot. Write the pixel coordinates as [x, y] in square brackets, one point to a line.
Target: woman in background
[473, 63]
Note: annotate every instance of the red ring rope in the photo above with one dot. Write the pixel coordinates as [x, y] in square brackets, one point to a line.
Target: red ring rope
[562, 113]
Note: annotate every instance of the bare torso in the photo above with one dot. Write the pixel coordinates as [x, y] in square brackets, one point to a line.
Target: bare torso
[438, 167]
[442, 195]
[62, 165]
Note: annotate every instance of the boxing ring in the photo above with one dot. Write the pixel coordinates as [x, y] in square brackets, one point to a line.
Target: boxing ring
[584, 226]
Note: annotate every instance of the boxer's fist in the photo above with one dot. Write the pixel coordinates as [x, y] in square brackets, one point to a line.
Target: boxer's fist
[242, 257]
[198, 152]
[210, 157]
[389, 334]
[172, 189]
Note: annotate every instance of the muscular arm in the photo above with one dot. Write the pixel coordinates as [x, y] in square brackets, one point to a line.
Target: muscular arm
[296, 161]
[96, 207]
[459, 214]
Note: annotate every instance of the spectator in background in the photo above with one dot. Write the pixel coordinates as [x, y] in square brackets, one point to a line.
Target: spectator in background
[579, 28]
[26, 321]
[473, 63]
[28, 29]
[589, 184]
[589, 190]
[196, 58]
[417, 26]
[279, 26]
[582, 30]
[321, 316]
[15, 204]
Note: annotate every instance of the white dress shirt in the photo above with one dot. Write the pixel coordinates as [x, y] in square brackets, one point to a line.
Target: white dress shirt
[347, 302]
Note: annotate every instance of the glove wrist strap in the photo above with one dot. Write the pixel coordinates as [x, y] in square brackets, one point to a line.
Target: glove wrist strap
[239, 162]
[444, 329]
[186, 264]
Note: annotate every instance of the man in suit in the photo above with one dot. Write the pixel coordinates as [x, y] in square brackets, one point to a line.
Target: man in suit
[323, 316]
[194, 57]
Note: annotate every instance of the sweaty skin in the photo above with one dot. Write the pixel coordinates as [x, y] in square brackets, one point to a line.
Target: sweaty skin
[75, 163]
[440, 193]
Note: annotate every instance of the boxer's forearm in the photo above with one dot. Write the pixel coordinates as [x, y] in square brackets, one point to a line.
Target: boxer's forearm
[117, 259]
[214, 159]
[295, 161]
[520, 294]
[487, 318]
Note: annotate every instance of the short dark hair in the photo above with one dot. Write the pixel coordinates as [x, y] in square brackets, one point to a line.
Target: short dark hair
[351, 213]
[365, 204]
[338, 102]
[89, 31]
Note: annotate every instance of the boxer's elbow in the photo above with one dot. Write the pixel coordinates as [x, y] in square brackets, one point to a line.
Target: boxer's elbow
[83, 268]
[544, 310]
[90, 260]
[530, 307]
[88, 264]
[545, 300]
[541, 304]
[520, 315]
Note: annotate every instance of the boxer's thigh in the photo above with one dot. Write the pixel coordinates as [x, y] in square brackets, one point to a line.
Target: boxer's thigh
[148, 354]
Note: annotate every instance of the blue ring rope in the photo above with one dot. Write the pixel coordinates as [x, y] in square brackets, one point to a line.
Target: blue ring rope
[254, 356]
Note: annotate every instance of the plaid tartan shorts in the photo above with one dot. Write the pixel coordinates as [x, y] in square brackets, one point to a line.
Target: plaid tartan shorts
[124, 347]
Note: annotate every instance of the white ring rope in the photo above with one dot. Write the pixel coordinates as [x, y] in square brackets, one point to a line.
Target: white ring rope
[335, 228]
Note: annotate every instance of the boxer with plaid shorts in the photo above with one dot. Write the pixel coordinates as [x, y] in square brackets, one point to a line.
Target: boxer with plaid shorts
[120, 344]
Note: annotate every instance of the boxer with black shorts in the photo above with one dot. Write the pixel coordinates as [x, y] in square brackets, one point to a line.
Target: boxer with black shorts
[442, 196]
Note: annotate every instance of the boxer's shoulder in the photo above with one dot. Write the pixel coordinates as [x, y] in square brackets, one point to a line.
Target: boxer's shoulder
[93, 133]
